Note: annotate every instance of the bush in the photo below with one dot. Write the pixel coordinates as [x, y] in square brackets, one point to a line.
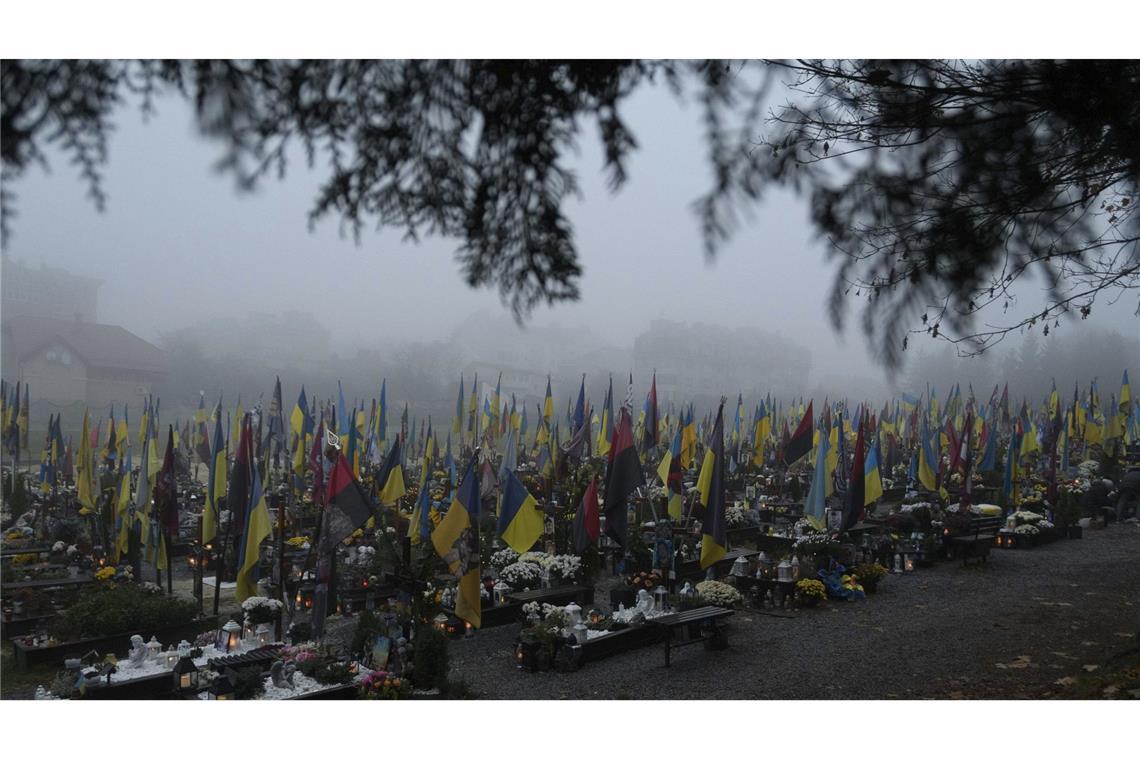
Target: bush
[122, 609]
[430, 659]
[300, 631]
[249, 683]
[367, 628]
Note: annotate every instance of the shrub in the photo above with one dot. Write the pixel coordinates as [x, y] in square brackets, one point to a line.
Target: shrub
[249, 683]
[430, 659]
[122, 609]
[367, 628]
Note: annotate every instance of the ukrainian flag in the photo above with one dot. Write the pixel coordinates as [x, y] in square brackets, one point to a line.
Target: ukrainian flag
[816, 505]
[763, 431]
[456, 540]
[391, 477]
[711, 484]
[688, 440]
[1125, 395]
[548, 405]
[257, 529]
[419, 527]
[122, 515]
[216, 488]
[927, 462]
[670, 473]
[873, 481]
[520, 521]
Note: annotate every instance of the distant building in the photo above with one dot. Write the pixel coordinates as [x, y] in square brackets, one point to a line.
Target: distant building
[50, 338]
[74, 362]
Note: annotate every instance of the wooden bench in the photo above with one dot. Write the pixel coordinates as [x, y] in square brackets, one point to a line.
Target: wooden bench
[977, 543]
[690, 627]
[10, 551]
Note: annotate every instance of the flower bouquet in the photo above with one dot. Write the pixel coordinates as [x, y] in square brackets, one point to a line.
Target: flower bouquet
[869, 574]
[522, 575]
[810, 591]
[563, 568]
[260, 609]
[718, 594]
[644, 580]
[380, 684]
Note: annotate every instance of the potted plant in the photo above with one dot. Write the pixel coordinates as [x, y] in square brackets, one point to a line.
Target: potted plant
[718, 594]
[869, 575]
[810, 592]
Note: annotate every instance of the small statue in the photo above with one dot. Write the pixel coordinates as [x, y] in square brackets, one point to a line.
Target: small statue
[644, 601]
[282, 674]
[138, 651]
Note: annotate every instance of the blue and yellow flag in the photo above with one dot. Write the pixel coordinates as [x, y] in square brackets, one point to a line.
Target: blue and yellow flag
[927, 462]
[711, 483]
[456, 540]
[670, 473]
[1125, 395]
[873, 480]
[520, 521]
[548, 405]
[216, 487]
[761, 434]
[390, 479]
[688, 439]
[257, 528]
[815, 508]
[419, 527]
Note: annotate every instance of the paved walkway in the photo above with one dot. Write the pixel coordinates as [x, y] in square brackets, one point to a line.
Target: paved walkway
[1008, 629]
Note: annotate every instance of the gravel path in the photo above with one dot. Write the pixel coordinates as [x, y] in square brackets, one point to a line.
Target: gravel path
[1007, 629]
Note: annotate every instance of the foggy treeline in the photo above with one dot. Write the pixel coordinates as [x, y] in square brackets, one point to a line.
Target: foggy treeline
[243, 356]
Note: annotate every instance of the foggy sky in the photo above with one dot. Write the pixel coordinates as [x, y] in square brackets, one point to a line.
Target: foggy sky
[179, 244]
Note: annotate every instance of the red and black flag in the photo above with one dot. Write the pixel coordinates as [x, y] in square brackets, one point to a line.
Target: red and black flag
[237, 495]
[317, 459]
[586, 522]
[955, 445]
[623, 477]
[800, 443]
[347, 505]
[857, 485]
[166, 490]
[649, 435]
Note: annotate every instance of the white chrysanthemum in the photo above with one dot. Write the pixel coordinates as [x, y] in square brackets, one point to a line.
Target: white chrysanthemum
[520, 575]
[719, 594]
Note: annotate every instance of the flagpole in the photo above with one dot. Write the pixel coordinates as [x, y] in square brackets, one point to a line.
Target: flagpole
[220, 554]
[281, 511]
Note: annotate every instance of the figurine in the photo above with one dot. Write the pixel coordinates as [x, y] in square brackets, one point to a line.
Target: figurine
[138, 651]
[282, 674]
[644, 601]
